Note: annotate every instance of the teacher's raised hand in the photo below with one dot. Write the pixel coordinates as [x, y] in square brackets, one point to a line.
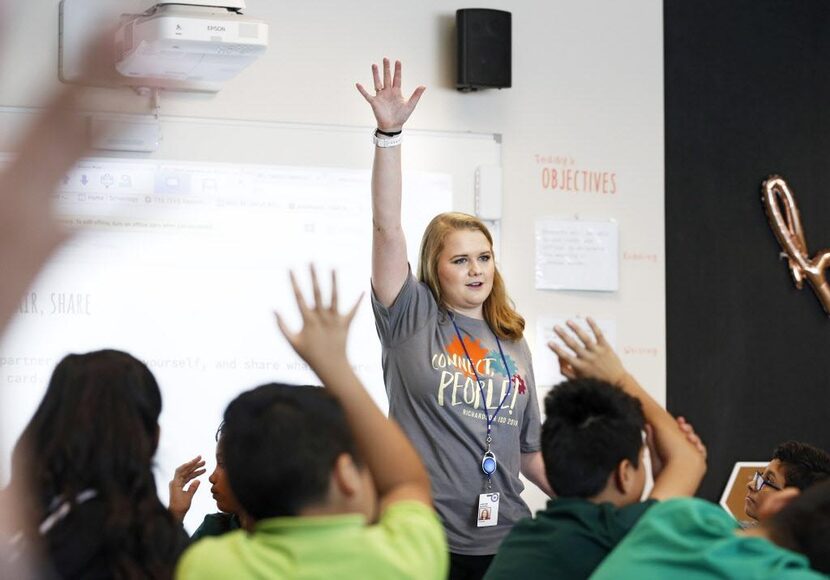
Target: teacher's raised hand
[389, 105]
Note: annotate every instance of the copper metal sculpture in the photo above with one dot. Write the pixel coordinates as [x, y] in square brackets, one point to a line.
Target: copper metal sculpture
[786, 225]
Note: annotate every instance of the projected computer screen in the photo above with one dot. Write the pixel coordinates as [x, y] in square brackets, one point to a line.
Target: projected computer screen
[182, 265]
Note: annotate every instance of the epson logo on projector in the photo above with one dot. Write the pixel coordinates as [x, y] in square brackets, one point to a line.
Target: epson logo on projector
[216, 28]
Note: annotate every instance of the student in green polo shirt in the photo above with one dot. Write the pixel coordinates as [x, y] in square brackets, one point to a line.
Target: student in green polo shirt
[593, 451]
[334, 488]
[694, 539]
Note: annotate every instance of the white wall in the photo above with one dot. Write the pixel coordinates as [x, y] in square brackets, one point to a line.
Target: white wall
[587, 84]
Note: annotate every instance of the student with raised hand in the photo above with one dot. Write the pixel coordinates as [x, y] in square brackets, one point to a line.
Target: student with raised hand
[457, 370]
[676, 446]
[593, 451]
[334, 488]
[86, 457]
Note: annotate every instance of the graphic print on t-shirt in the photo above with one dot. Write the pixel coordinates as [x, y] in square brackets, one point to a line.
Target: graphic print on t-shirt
[457, 383]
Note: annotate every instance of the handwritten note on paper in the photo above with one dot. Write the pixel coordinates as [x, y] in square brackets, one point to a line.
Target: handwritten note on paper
[577, 255]
[545, 362]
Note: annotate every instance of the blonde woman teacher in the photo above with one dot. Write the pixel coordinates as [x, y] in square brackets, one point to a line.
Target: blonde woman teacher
[457, 369]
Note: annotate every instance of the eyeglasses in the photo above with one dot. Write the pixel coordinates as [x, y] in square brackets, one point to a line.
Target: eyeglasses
[758, 482]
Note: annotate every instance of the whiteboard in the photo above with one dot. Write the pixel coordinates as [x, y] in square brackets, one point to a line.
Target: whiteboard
[184, 256]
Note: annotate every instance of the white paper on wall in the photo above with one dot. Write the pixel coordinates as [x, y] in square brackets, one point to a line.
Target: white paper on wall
[577, 255]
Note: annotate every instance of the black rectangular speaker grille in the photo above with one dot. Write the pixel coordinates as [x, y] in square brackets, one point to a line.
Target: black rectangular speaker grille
[484, 48]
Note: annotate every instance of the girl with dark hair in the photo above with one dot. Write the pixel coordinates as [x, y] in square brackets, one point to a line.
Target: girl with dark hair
[86, 458]
[230, 516]
[457, 369]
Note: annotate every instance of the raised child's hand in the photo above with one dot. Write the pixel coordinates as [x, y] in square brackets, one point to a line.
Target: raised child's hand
[591, 357]
[322, 340]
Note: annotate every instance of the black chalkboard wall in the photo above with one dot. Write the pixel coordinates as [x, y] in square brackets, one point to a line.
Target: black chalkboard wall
[747, 94]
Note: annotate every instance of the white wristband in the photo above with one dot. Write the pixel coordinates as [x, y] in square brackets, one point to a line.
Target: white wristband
[383, 141]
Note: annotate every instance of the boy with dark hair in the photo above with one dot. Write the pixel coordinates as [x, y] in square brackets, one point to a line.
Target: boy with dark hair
[694, 539]
[591, 428]
[593, 451]
[304, 464]
[282, 443]
[793, 464]
[802, 464]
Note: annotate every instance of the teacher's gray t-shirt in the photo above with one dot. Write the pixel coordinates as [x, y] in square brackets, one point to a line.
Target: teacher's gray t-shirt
[434, 397]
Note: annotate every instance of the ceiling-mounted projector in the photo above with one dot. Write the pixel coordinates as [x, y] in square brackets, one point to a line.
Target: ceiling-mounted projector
[188, 45]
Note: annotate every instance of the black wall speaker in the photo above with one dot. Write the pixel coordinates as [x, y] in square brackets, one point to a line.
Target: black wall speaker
[484, 49]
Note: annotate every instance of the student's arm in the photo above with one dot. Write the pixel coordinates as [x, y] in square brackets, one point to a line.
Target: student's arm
[683, 464]
[394, 464]
[29, 229]
[533, 468]
[390, 266]
[29, 233]
[691, 436]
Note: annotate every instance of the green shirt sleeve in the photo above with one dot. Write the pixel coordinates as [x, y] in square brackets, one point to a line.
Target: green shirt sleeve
[695, 540]
[415, 537]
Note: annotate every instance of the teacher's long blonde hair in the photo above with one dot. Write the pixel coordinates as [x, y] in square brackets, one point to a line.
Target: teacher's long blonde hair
[498, 309]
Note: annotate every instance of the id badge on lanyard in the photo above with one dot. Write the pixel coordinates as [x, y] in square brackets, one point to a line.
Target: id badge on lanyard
[487, 512]
[488, 509]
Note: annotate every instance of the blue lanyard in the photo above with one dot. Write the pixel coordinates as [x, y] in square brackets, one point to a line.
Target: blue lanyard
[478, 380]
